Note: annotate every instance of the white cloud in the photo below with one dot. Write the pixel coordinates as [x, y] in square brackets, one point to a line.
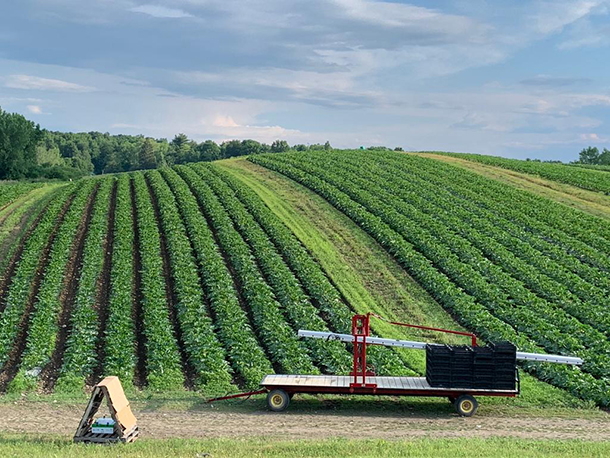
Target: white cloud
[161, 11]
[553, 16]
[591, 136]
[44, 84]
[224, 121]
[35, 109]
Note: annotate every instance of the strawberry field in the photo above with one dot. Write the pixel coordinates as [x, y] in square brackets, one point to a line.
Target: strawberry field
[178, 278]
[184, 278]
[508, 265]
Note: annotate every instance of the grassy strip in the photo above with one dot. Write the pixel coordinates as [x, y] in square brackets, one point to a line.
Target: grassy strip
[297, 306]
[204, 351]
[507, 447]
[324, 295]
[44, 323]
[80, 357]
[163, 364]
[280, 341]
[21, 284]
[247, 357]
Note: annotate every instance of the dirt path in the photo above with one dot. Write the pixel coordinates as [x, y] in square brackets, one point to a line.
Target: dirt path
[210, 423]
[591, 202]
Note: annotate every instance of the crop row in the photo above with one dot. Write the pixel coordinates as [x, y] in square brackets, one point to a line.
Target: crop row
[21, 286]
[295, 303]
[17, 224]
[246, 356]
[163, 363]
[505, 296]
[12, 191]
[80, 356]
[205, 353]
[470, 312]
[541, 237]
[281, 342]
[593, 180]
[311, 276]
[44, 323]
[579, 225]
[480, 196]
[119, 337]
[523, 262]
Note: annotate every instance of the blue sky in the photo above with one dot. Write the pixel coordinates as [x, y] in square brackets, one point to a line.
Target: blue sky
[518, 79]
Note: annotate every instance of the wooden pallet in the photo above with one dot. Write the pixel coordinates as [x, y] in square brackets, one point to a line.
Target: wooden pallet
[125, 427]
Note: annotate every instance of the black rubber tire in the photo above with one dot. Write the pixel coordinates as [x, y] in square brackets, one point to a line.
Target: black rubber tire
[451, 400]
[278, 400]
[466, 405]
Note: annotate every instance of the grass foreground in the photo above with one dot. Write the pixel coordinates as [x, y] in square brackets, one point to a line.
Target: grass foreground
[15, 445]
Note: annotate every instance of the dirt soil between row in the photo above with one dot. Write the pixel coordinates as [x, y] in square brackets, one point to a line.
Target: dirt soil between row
[63, 420]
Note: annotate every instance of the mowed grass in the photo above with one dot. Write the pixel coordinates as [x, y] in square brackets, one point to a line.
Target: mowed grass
[369, 278]
[591, 202]
[49, 446]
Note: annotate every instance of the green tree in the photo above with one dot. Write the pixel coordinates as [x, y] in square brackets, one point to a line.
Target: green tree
[208, 151]
[604, 157]
[279, 146]
[589, 155]
[251, 147]
[18, 140]
[179, 150]
[147, 155]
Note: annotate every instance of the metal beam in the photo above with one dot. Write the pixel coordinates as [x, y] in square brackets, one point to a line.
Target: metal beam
[521, 356]
[559, 359]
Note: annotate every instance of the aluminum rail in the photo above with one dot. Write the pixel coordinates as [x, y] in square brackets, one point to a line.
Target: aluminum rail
[521, 356]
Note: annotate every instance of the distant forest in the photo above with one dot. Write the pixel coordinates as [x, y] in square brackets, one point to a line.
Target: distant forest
[27, 151]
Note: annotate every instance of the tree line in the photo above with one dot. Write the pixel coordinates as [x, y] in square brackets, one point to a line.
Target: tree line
[592, 156]
[27, 151]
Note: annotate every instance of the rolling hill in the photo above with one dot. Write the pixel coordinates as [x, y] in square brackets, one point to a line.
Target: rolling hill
[198, 276]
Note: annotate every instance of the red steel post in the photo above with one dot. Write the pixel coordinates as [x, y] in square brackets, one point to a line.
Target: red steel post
[360, 331]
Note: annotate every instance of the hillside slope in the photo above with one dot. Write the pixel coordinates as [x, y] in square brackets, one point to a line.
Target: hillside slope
[508, 264]
[199, 276]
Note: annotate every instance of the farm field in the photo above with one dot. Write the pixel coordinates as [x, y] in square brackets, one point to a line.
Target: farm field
[196, 278]
[591, 202]
[507, 271]
[591, 178]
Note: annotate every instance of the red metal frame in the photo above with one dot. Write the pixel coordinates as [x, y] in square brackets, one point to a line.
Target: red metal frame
[238, 395]
[454, 393]
[360, 331]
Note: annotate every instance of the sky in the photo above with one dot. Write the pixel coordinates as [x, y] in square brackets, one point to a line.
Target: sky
[516, 79]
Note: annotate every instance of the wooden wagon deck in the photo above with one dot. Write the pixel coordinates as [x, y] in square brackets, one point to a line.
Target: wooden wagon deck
[397, 386]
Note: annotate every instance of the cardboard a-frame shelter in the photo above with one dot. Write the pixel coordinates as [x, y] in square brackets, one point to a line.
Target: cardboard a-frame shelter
[125, 427]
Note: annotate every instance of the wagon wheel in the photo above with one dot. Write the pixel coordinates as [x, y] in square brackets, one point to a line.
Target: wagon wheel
[466, 405]
[278, 400]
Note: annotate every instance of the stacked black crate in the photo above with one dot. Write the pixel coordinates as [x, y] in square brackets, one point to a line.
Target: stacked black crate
[505, 355]
[495, 366]
[438, 365]
[462, 367]
[449, 366]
